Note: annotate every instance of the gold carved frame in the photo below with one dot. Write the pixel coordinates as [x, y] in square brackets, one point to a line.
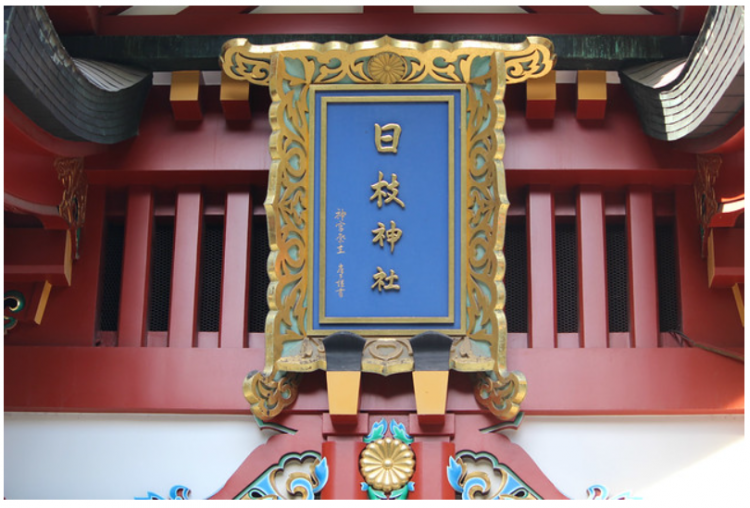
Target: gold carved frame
[292, 71]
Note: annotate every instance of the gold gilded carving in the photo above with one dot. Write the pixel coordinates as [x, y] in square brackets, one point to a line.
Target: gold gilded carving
[387, 68]
[72, 207]
[381, 138]
[305, 356]
[296, 477]
[387, 464]
[387, 356]
[290, 70]
[391, 236]
[386, 190]
[502, 396]
[706, 204]
[268, 396]
[385, 282]
[433, 62]
[482, 477]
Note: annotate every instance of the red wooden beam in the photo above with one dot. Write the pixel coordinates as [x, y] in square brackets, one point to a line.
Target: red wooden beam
[185, 96]
[644, 302]
[708, 315]
[74, 20]
[136, 268]
[38, 255]
[562, 381]
[383, 23]
[183, 306]
[236, 269]
[430, 480]
[213, 10]
[566, 10]
[618, 155]
[540, 225]
[307, 437]
[592, 267]
[341, 455]
[388, 9]
[541, 97]
[726, 257]
[661, 10]
[162, 154]
[70, 317]
[36, 295]
[235, 99]
[112, 10]
[690, 19]
[499, 445]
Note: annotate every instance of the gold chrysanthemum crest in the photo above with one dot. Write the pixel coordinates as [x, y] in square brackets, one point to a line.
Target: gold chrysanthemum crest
[387, 464]
[387, 68]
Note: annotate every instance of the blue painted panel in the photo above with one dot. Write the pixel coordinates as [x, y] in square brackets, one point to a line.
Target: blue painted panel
[347, 164]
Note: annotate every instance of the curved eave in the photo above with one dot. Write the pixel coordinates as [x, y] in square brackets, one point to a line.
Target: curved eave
[86, 101]
[708, 90]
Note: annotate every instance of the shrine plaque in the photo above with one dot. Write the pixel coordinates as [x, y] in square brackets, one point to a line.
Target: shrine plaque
[386, 209]
[388, 184]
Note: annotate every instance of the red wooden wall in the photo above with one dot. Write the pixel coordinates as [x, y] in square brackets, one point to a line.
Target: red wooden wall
[590, 173]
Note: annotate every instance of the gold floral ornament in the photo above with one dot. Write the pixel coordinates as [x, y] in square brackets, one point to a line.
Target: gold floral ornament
[387, 68]
[387, 464]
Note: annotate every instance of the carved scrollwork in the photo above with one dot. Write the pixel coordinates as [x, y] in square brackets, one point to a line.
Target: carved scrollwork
[480, 476]
[534, 61]
[268, 396]
[414, 62]
[13, 303]
[75, 184]
[706, 204]
[387, 356]
[501, 394]
[296, 477]
[72, 207]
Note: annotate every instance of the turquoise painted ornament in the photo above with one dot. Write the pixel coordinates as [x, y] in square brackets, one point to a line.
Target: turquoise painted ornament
[601, 493]
[176, 493]
[480, 476]
[298, 476]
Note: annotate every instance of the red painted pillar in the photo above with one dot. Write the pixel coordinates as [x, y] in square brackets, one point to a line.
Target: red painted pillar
[430, 476]
[236, 270]
[344, 479]
[541, 242]
[644, 303]
[87, 272]
[136, 268]
[183, 307]
[592, 268]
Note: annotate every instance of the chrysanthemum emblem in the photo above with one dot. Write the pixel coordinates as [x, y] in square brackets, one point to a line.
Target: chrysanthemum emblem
[387, 464]
[387, 68]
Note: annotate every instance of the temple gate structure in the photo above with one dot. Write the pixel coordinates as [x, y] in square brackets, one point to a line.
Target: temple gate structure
[401, 252]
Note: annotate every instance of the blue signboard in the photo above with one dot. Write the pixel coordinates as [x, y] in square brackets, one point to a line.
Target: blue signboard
[388, 208]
